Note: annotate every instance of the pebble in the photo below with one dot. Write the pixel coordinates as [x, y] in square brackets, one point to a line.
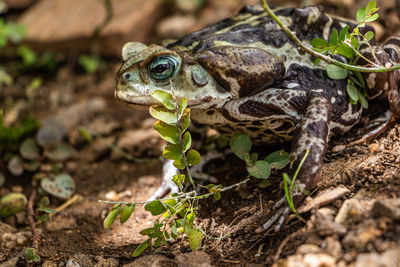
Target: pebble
[387, 208]
[389, 258]
[352, 211]
[324, 198]
[311, 260]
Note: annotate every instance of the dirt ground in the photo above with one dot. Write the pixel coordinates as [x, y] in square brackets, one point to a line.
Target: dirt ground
[358, 226]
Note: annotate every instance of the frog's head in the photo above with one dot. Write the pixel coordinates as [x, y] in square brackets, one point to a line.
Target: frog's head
[149, 68]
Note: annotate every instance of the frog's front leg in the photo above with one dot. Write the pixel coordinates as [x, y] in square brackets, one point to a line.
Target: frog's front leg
[311, 134]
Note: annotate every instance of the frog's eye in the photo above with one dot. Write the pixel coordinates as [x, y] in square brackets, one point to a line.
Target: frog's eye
[162, 67]
[128, 76]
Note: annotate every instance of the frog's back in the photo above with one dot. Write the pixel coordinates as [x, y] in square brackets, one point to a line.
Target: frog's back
[253, 27]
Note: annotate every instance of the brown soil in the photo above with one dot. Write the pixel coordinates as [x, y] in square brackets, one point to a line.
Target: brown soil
[370, 172]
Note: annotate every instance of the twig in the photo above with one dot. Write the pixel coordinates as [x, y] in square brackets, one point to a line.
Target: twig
[35, 236]
[328, 59]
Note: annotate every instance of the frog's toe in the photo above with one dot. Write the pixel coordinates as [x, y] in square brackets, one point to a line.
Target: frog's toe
[167, 185]
[281, 212]
[198, 172]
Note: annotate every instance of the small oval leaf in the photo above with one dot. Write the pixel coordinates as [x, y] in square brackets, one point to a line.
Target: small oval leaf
[62, 186]
[240, 145]
[352, 92]
[29, 149]
[155, 207]
[164, 98]
[261, 169]
[193, 157]
[141, 248]
[163, 114]
[336, 72]
[195, 237]
[173, 152]
[167, 132]
[112, 215]
[126, 212]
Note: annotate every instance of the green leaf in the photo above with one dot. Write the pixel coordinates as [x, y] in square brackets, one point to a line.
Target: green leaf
[319, 43]
[187, 141]
[164, 98]
[354, 42]
[174, 232]
[371, 6]
[126, 212]
[147, 231]
[30, 254]
[369, 35]
[362, 100]
[167, 236]
[185, 121]
[182, 107]
[289, 199]
[217, 195]
[261, 169]
[359, 77]
[360, 16]
[240, 145]
[346, 51]
[155, 207]
[343, 32]
[195, 237]
[278, 159]
[29, 149]
[163, 114]
[112, 215]
[29, 57]
[372, 18]
[173, 152]
[167, 132]
[354, 78]
[193, 157]
[179, 164]
[334, 38]
[336, 72]
[352, 91]
[47, 210]
[141, 248]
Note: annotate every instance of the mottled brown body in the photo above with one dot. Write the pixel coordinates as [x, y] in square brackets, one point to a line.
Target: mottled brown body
[243, 74]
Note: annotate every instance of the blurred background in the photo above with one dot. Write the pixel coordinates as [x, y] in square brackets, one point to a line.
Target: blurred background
[64, 136]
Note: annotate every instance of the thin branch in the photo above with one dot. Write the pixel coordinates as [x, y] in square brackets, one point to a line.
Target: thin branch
[35, 236]
[328, 59]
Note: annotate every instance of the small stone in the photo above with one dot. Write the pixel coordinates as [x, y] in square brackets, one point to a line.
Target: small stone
[49, 263]
[360, 238]
[109, 262]
[195, 258]
[10, 263]
[72, 263]
[352, 211]
[389, 258]
[324, 198]
[21, 240]
[324, 223]
[338, 148]
[387, 208]
[314, 260]
[308, 248]
[333, 247]
[152, 260]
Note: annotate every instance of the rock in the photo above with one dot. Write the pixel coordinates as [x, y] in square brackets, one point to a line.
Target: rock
[389, 258]
[387, 208]
[324, 198]
[324, 223]
[352, 211]
[194, 258]
[80, 260]
[310, 260]
[151, 261]
[10, 263]
[109, 262]
[359, 238]
[308, 248]
[49, 263]
[67, 24]
[333, 247]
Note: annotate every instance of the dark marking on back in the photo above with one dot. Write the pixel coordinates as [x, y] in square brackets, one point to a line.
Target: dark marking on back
[259, 109]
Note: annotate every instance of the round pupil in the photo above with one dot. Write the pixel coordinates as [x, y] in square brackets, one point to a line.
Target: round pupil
[162, 68]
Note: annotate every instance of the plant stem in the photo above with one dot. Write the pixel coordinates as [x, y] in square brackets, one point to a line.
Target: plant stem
[185, 195]
[328, 59]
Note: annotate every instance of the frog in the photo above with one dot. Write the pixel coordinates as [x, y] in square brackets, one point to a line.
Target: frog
[245, 75]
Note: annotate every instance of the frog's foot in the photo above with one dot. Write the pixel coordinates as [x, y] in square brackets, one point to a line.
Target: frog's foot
[167, 185]
[279, 217]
